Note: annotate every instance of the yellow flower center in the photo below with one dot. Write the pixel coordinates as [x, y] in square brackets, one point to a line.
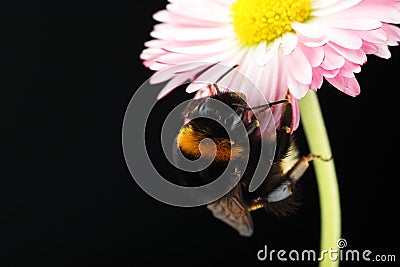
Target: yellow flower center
[260, 20]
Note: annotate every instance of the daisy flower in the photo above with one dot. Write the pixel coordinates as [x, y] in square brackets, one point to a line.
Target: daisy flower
[278, 44]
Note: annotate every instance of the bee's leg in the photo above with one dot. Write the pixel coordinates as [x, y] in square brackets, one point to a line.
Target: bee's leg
[284, 131]
[284, 190]
[301, 166]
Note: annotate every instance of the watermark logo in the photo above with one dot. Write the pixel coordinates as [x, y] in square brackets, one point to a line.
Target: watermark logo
[144, 172]
[340, 253]
[341, 243]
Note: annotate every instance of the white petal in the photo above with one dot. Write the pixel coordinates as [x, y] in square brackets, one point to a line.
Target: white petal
[271, 85]
[308, 30]
[175, 58]
[167, 16]
[208, 47]
[201, 10]
[316, 42]
[168, 73]
[211, 75]
[224, 3]
[182, 33]
[298, 90]
[195, 86]
[318, 4]
[172, 84]
[339, 6]
[289, 42]
[151, 53]
[156, 66]
[264, 52]
[353, 23]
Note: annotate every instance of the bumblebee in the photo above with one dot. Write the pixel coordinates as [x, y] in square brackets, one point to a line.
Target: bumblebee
[277, 193]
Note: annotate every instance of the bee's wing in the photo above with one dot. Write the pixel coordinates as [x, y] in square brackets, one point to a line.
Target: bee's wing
[231, 209]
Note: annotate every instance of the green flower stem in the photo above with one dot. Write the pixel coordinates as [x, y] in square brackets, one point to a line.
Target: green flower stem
[317, 138]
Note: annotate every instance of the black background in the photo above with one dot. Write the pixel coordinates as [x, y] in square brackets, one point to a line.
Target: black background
[68, 71]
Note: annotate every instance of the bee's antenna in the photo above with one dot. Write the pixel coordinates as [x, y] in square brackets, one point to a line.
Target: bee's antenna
[266, 106]
[222, 76]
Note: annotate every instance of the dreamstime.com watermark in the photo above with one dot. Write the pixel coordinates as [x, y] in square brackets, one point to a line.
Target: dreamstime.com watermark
[334, 254]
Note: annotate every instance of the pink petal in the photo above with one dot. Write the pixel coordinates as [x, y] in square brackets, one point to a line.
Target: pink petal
[383, 51]
[317, 79]
[373, 36]
[328, 73]
[296, 113]
[377, 50]
[369, 48]
[393, 33]
[349, 69]
[299, 67]
[314, 55]
[343, 38]
[348, 86]
[356, 56]
[332, 59]
[383, 11]
[317, 42]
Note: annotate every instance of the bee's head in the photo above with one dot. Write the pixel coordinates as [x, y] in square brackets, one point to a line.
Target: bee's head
[226, 108]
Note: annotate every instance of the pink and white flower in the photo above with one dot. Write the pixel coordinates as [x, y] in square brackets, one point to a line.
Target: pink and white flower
[278, 44]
